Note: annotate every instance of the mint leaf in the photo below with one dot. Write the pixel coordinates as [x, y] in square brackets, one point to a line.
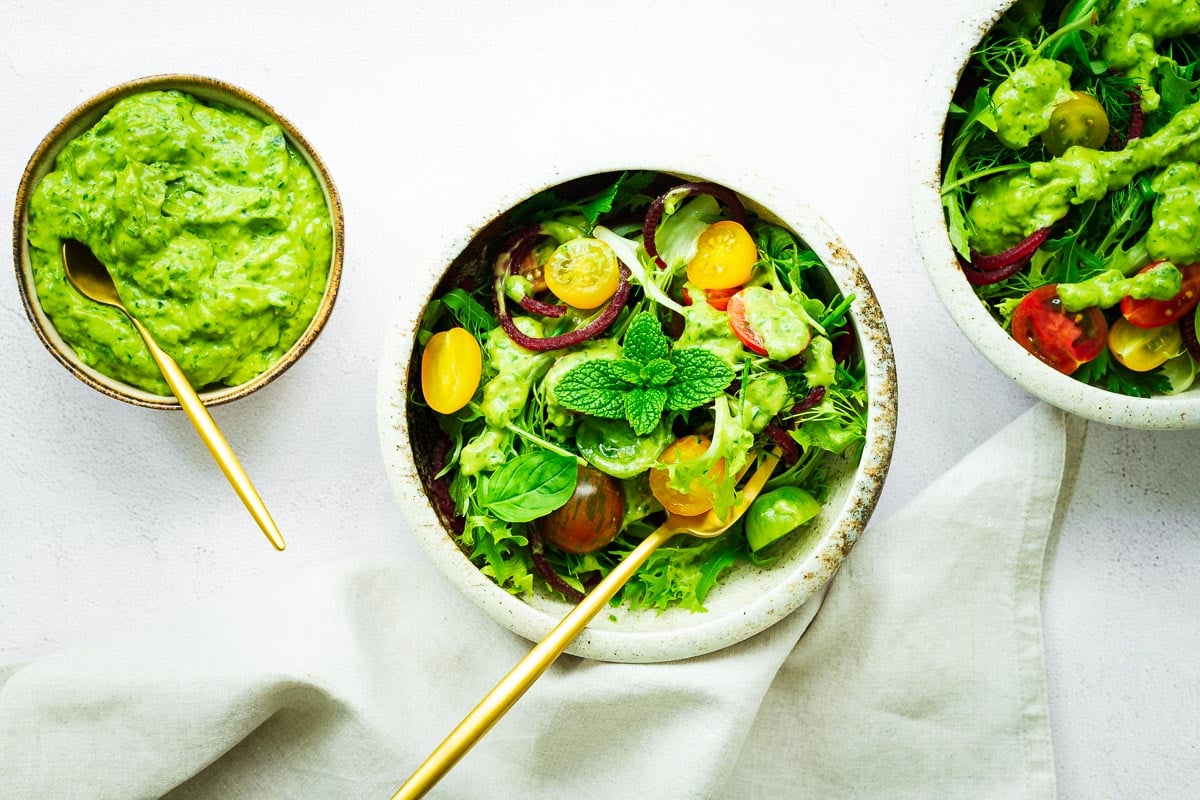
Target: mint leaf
[644, 340]
[643, 408]
[657, 372]
[628, 371]
[594, 388]
[699, 377]
[529, 486]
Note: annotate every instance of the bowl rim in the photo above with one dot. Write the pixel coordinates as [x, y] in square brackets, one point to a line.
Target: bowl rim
[1161, 412]
[704, 634]
[82, 117]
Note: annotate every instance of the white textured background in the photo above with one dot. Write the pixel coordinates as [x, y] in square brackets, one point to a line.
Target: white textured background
[111, 515]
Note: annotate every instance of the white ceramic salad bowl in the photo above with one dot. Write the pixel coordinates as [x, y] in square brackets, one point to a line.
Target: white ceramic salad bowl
[748, 599]
[958, 296]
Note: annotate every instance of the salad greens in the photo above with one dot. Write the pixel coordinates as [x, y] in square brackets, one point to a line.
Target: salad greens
[1069, 161]
[586, 423]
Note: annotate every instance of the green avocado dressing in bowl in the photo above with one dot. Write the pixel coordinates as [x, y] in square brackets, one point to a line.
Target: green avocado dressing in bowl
[219, 224]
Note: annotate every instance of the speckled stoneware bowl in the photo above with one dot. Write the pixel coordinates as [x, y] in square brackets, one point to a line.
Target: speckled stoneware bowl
[968, 312]
[84, 117]
[748, 599]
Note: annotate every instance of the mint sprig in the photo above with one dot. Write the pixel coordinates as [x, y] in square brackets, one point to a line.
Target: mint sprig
[649, 378]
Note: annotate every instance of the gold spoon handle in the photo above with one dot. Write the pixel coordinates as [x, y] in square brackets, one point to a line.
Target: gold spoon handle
[510, 688]
[212, 437]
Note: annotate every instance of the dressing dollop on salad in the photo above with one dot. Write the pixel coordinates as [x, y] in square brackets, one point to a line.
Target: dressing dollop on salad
[1072, 190]
[608, 358]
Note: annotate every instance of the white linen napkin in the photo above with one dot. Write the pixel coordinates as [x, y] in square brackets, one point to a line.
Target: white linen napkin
[919, 674]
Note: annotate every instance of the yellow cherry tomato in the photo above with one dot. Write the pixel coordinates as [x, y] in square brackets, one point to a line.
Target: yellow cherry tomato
[725, 257]
[1144, 349]
[583, 273]
[697, 499]
[450, 370]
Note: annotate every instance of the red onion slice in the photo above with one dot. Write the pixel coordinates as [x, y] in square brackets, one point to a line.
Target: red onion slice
[1019, 252]
[1137, 118]
[546, 570]
[810, 400]
[654, 213]
[519, 246]
[1187, 327]
[978, 278]
[790, 450]
[540, 344]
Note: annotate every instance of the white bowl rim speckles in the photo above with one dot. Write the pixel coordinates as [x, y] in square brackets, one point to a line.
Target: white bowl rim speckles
[968, 312]
[746, 601]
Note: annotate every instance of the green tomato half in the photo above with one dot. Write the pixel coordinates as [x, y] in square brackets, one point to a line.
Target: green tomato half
[777, 513]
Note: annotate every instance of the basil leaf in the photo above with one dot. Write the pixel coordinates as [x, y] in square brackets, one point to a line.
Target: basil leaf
[529, 486]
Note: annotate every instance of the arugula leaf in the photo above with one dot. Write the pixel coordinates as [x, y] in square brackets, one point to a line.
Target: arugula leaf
[469, 313]
[529, 486]
[644, 407]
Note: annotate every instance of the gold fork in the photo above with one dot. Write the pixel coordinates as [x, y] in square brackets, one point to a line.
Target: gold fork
[510, 688]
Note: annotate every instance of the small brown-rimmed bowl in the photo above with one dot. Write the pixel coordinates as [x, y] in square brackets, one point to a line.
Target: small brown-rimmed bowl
[80, 120]
[749, 598]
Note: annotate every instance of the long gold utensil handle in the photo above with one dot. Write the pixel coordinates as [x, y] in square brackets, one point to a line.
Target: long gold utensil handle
[213, 439]
[510, 688]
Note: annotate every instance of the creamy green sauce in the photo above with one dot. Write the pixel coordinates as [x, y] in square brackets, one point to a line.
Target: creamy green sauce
[517, 369]
[1135, 28]
[217, 236]
[779, 321]
[1023, 102]
[763, 397]
[1110, 287]
[1008, 208]
[705, 326]
[1174, 232]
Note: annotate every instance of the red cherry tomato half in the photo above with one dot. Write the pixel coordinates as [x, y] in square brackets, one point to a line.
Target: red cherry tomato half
[737, 321]
[717, 298]
[1062, 339]
[1156, 313]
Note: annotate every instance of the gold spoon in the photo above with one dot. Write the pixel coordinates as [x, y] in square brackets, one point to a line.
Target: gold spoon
[91, 279]
[512, 686]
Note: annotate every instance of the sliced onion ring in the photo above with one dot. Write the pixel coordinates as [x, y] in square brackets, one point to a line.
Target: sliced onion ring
[1020, 252]
[1187, 327]
[546, 570]
[519, 246]
[654, 213]
[540, 344]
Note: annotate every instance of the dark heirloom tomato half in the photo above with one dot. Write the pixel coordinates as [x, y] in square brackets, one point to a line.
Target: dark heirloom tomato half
[590, 519]
[1156, 313]
[1062, 339]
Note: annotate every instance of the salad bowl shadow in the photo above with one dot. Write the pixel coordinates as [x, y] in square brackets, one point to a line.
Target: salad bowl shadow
[749, 598]
[82, 118]
[945, 270]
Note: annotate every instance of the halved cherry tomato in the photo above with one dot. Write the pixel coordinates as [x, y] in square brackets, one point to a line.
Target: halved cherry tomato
[1156, 313]
[737, 321]
[450, 370]
[1060, 338]
[583, 273]
[697, 499]
[717, 298]
[725, 256]
[1144, 349]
